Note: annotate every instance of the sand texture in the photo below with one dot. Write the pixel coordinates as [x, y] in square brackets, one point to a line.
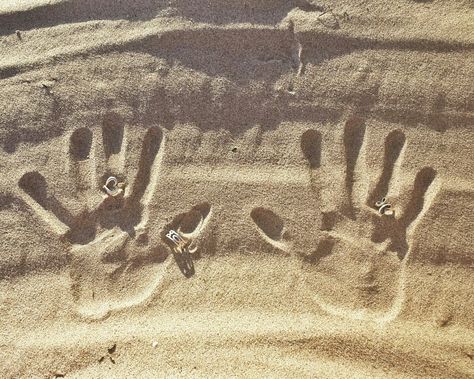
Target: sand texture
[263, 132]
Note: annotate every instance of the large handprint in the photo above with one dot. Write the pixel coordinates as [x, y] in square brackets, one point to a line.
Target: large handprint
[116, 261]
[357, 268]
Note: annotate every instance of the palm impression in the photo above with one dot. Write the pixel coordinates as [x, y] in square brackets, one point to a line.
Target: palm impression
[115, 261]
[356, 269]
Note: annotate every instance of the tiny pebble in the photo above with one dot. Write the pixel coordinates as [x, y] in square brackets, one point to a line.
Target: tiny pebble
[154, 344]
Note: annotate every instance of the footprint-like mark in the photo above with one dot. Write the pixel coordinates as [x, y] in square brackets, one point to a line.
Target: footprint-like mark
[112, 135]
[80, 148]
[45, 203]
[141, 186]
[354, 133]
[357, 269]
[311, 147]
[190, 226]
[394, 144]
[269, 223]
[419, 197]
[271, 227]
[115, 261]
[81, 144]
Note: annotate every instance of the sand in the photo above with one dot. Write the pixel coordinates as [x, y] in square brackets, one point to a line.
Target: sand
[264, 133]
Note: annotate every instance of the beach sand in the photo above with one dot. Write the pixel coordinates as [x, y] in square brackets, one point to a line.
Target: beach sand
[264, 133]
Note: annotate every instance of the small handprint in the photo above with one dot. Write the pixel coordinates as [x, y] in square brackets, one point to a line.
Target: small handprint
[356, 270]
[115, 261]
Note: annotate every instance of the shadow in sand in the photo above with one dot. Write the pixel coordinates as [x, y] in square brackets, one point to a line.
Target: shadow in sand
[76, 11]
[268, 12]
[185, 263]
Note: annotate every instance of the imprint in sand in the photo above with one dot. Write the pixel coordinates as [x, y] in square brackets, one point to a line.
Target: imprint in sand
[357, 269]
[186, 229]
[116, 262]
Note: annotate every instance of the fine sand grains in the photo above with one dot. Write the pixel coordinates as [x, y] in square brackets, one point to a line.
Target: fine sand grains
[267, 134]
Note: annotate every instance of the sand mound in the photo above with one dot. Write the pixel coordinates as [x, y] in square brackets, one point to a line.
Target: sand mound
[315, 158]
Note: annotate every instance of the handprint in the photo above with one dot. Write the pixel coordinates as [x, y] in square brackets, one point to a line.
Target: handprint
[356, 270]
[116, 261]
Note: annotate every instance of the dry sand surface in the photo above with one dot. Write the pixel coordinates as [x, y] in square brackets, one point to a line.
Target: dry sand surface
[264, 132]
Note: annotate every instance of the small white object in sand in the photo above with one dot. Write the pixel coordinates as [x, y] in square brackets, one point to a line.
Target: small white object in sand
[113, 187]
[154, 344]
[384, 207]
